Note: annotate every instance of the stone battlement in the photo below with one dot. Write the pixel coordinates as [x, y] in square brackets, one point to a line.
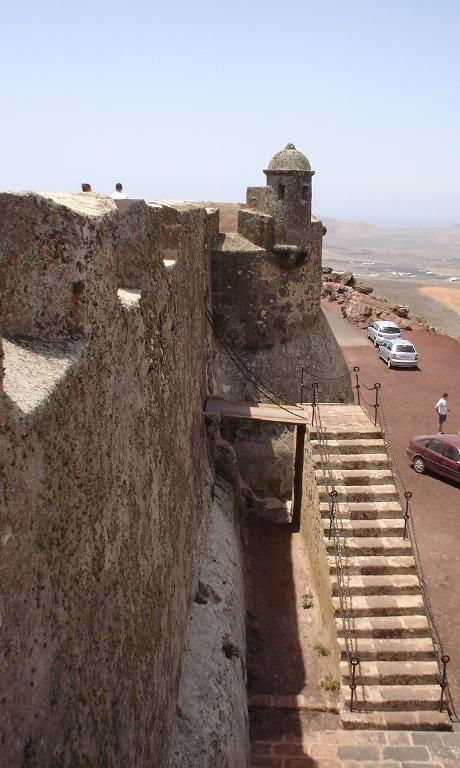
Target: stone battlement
[105, 478]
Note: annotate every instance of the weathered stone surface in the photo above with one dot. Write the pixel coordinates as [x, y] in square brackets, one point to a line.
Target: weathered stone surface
[105, 481]
[211, 726]
[402, 310]
[347, 278]
[405, 325]
[57, 263]
[257, 227]
[366, 289]
[355, 311]
[267, 301]
[358, 302]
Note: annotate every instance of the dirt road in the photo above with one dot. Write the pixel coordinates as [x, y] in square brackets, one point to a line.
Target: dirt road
[408, 398]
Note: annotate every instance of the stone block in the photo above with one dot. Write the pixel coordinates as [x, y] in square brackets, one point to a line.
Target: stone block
[406, 753]
[256, 227]
[288, 748]
[358, 752]
[261, 747]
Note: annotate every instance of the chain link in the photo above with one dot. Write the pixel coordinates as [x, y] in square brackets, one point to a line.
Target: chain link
[339, 541]
[394, 467]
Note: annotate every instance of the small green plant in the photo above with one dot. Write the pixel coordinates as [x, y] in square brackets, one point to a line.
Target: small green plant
[321, 649]
[330, 685]
[307, 601]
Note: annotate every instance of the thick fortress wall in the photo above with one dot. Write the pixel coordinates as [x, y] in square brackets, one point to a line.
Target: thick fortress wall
[104, 475]
[268, 306]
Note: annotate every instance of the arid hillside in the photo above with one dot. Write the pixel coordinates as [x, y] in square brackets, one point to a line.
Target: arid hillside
[424, 252]
[228, 215]
[409, 251]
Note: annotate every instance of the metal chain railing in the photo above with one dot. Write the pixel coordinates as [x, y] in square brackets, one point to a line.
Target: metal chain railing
[337, 534]
[335, 519]
[379, 418]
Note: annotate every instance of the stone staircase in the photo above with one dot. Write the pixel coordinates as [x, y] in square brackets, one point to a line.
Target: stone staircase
[397, 677]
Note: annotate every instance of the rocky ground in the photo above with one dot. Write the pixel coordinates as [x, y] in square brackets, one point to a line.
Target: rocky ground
[407, 303]
[358, 302]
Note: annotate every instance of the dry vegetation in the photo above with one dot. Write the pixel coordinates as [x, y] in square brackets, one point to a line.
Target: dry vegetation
[450, 297]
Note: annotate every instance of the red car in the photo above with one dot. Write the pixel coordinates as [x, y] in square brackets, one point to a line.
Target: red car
[439, 453]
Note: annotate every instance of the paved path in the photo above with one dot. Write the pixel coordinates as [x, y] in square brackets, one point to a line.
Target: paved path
[360, 749]
[408, 398]
[347, 334]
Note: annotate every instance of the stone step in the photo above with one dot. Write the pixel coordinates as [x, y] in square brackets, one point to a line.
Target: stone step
[392, 673]
[382, 605]
[354, 460]
[347, 432]
[387, 649]
[367, 528]
[397, 697]
[362, 493]
[353, 445]
[386, 626]
[347, 477]
[365, 510]
[376, 545]
[396, 721]
[375, 565]
[379, 585]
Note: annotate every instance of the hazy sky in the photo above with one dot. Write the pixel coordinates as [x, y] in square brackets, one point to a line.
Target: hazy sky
[189, 100]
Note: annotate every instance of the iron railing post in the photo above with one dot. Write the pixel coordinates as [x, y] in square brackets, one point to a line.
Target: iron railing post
[376, 404]
[357, 385]
[445, 660]
[315, 386]
[333, 498]
[302, 385]
[354, 661]
[407, 496]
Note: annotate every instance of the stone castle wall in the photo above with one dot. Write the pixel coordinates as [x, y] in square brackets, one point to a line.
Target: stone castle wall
[311, 527]
[269, 310]
[105, 480]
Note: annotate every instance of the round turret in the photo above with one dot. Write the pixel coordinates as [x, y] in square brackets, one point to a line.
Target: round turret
[289, 176]
[289, 159]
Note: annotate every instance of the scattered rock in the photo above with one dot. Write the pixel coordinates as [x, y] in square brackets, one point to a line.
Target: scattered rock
[402, 310]
[355, 310]
[329, 288]
[347, 278]
[342, 288]
[334, 277]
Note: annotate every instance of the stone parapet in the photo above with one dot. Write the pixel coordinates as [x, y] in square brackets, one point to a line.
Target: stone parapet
[257, 227]
[105, 483]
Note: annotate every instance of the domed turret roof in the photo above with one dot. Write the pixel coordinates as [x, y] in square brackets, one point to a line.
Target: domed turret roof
[289, 159]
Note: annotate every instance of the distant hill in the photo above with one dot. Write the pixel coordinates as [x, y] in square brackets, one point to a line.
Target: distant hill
[368, 249]
[228, 215]
[401, 249]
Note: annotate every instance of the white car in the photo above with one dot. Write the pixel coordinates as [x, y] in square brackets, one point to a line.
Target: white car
[399, 354]
[382, 330]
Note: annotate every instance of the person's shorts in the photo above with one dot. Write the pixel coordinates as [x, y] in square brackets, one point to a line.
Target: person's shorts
[442, 417]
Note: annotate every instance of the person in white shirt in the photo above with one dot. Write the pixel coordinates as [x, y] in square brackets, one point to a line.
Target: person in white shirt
[441, 409]
[119, 194]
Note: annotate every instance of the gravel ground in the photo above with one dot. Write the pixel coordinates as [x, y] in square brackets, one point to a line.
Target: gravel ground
[422, 306]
